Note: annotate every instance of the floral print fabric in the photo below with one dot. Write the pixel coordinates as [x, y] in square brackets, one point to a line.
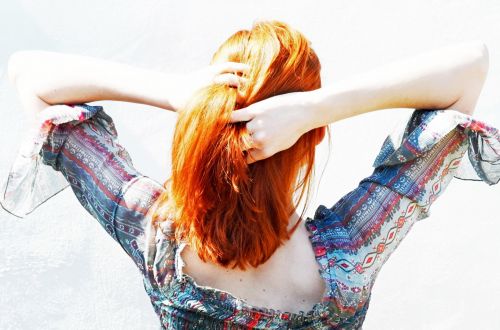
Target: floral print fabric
[77, 146]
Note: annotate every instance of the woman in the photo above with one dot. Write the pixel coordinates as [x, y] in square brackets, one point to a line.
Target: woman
[215, 243]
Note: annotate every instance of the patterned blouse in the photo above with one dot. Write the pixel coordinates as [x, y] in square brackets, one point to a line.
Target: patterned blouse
[77, 146]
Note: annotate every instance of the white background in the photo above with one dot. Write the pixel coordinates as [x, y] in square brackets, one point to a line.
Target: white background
[60, 270]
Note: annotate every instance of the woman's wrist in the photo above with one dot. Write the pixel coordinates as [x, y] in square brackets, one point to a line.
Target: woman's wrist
[303, 107]
[166, 91]
[347, 98]
[319, 106]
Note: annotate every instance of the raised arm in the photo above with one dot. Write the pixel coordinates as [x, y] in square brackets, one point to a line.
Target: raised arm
[449, 77]
[57, 78]
[45, 78]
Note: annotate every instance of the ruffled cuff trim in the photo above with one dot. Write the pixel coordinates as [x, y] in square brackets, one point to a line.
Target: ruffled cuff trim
[427, 126]
[31, 182]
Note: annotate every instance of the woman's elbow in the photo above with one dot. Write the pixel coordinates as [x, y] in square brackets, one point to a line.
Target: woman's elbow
[15, 64]
[485, 59]
[481, 58]
[13, 67]
[474, 78]
[22, 61]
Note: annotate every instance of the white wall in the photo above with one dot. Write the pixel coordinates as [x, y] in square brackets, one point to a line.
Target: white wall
[59, 269]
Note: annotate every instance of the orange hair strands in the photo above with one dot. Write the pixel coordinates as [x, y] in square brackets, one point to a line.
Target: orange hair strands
[231, 213]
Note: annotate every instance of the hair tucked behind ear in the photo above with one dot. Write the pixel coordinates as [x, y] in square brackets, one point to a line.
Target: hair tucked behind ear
[232, 213]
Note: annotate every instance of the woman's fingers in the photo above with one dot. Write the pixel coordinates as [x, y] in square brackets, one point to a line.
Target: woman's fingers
[233, 67]
[244, 114]
[229, 79]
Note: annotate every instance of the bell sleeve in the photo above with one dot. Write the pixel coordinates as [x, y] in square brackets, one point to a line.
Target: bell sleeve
[77, 146]
[415, 164]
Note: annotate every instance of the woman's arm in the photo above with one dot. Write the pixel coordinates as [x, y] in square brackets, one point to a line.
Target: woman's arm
[45, 78]
[449, 77]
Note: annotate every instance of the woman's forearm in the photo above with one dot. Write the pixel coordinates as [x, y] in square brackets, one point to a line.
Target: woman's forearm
[57, 78]
[434, 79]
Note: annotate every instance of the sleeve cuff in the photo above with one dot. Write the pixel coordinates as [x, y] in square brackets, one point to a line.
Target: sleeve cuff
[426, 127]
[33, 177]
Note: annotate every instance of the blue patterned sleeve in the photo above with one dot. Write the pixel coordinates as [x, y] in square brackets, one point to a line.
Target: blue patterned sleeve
[85, 154]
[102, 176]
[355, 237]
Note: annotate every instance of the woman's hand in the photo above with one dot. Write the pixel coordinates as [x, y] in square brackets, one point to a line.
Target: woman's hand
[276, 123]
[220, 73]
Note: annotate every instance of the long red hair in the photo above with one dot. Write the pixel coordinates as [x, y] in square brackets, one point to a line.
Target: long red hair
[229, 212]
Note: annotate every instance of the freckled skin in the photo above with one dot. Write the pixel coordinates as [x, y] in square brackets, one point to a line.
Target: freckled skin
[271, 284]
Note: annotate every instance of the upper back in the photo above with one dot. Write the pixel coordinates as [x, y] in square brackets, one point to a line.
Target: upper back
[288, 281]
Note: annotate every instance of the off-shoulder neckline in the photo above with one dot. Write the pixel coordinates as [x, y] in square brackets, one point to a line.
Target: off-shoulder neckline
[318, 309]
